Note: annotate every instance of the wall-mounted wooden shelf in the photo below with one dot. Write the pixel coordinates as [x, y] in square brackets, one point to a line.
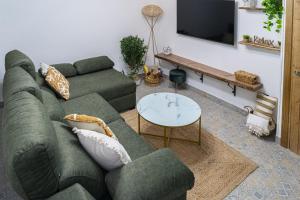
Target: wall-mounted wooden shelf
[259, 46]
[202, 70]
[252, 9]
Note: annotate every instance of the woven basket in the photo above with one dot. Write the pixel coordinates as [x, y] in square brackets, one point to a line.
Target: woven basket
[246, 77]
[153, 78]
[152, 11]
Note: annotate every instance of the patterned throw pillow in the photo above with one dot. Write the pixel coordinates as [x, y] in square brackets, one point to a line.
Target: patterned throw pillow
[89, 123]
[58, 82]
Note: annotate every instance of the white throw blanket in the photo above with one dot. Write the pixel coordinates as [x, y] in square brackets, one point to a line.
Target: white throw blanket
[258, 125]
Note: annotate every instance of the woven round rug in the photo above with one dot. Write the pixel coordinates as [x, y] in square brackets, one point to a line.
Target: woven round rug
[218, 168]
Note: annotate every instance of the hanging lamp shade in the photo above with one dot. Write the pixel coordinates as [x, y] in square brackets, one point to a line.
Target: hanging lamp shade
[152, 11]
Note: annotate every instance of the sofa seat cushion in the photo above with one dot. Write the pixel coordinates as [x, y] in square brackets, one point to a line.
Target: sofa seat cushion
[109, 83]
[75, 165]
[134, 144]
[53, 106]
[93, 105]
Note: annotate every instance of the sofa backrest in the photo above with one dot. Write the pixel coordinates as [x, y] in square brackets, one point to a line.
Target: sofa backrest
[30, 147]
[16, 58]
[16, 79]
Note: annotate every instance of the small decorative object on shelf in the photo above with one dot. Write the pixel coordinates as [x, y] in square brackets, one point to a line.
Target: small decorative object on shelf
[167, 50]
[263, 41]
[246, 77]
[152, 76]
[246, 38]
[252, 3]
[246, 3]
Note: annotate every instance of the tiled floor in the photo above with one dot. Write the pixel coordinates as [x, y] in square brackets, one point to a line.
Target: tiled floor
[278, 175]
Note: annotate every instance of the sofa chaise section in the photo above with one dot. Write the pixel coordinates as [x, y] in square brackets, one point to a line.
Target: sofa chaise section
[110, 84]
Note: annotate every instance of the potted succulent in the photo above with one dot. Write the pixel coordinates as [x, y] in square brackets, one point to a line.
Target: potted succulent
[246, 38]
[133, 51]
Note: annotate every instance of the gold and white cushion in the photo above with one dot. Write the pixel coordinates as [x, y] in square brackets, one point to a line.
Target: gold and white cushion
[89, 123]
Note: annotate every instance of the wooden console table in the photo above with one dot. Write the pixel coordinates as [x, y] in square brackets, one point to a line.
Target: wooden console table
[202, 70]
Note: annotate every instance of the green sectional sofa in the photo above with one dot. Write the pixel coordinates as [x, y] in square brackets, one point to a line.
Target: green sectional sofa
[44, 159]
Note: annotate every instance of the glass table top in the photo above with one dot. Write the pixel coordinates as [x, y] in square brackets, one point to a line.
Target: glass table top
[169, 109]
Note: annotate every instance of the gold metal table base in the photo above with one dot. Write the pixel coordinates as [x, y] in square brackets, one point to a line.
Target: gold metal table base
[167, 137]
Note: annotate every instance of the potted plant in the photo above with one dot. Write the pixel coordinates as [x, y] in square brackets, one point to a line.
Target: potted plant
[274, 11]
[246, 38]
[133, 51]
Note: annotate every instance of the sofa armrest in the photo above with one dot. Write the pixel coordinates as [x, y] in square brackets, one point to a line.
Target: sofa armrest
[159, 175]
[75, 192]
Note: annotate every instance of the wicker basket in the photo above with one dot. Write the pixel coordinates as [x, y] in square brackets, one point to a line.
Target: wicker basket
[153, 77]
[246, 77]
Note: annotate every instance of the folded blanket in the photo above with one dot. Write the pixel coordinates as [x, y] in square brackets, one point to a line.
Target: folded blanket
[258, 125]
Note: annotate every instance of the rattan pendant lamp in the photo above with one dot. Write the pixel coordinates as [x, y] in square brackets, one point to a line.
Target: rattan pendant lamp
[152, 14]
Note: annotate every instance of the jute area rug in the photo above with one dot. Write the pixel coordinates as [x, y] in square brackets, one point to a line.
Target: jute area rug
[217, 168]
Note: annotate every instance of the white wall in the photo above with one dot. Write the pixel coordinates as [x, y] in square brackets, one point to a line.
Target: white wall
[266, 64]
[55, 31]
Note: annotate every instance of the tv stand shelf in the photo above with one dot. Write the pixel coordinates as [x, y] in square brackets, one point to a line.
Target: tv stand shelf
[202, 70]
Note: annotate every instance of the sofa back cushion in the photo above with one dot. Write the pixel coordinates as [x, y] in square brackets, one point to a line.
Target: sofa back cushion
[75, 165]
[67, 69]
[17, 79]
[17, 58]
[30, 147]
[93, 64]
[53, 106]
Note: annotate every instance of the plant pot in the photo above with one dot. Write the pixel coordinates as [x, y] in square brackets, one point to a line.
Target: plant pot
[246, 40]
[137, 79]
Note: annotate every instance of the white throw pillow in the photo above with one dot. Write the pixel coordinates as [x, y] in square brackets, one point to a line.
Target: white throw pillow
[106, 151]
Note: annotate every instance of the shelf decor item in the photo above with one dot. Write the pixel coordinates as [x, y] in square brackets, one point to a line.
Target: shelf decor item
[152, 14]
[246, 77]
[167, 50]
[252, 3]
[133, 51]
[246, 38]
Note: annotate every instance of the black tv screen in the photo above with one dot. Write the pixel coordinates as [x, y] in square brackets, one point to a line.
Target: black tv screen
[207, 19]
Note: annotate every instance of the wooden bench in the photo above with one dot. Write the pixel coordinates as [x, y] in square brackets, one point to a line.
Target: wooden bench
[202, 70]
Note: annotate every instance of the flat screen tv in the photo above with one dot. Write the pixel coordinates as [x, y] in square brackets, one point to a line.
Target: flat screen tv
[207, 19]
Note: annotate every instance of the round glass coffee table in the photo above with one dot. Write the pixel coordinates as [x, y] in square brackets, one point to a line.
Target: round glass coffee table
[169, 110]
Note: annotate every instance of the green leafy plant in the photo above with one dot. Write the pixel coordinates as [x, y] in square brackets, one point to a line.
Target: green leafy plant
[246, 37]
[133, 51]
[274, 11]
